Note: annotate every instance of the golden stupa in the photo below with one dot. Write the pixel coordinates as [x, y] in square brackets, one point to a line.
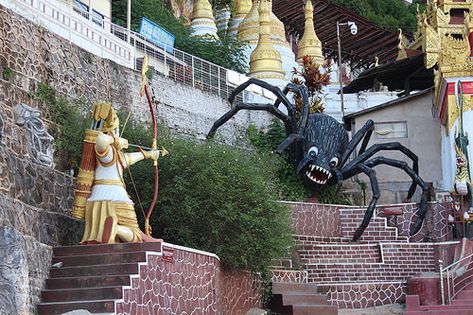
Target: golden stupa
[241, 10]
[310, 44]
[265, 60]
[203, 21]
[249, 28]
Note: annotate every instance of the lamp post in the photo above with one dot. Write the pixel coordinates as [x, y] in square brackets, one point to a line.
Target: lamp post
[128, 19]
[353, 31]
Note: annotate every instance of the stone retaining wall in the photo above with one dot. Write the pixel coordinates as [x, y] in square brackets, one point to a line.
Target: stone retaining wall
[22, 271]
[184, 281]
[35, 55]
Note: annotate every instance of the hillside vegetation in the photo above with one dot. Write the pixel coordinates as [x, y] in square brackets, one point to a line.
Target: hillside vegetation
[390, 14]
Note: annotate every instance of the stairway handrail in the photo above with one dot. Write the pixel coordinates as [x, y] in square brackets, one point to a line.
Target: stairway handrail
[457, 262]
[450, 279]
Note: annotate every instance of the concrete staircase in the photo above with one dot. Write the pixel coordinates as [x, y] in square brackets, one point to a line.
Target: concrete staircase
[92, 277]
[462, 304]
[370, 272]
[299, 299]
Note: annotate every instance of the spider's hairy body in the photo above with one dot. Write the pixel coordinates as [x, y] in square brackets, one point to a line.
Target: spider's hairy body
[320, 147]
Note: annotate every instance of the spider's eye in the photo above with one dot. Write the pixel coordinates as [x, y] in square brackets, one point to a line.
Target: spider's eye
[333, 162]
[313, 152]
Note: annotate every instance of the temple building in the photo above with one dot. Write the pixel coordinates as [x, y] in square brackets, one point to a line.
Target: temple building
[439, 55]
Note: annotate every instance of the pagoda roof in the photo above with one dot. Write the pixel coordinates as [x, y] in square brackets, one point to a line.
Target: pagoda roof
[358, 50]
[406, 74]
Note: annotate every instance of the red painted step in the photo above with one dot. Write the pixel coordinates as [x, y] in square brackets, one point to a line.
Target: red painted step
[300, 299]
[88, 282]
[314, 310]
[91, 277]
[78, 271]
[91, 306]
[100, 259]
[413, 307]
[82, 294]
[106, 248]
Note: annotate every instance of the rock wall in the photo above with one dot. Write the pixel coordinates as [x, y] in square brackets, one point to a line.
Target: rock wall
[35, 55]
[35, 200]
[22, 271]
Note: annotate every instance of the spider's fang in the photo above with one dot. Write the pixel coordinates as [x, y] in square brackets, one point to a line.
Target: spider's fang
[318, 174]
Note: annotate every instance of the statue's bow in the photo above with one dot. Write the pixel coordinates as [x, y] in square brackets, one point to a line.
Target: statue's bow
[144, 91]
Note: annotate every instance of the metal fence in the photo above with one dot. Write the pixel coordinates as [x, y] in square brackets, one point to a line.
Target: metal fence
[172, 62]
[98, 35]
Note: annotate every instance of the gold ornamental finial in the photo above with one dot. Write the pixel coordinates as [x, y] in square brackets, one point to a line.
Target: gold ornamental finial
[265, 60]
[401, 46]
[310, 44]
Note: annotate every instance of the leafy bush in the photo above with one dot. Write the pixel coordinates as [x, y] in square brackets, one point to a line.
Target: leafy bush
[227, 52]
[216, 198]
[68, 126]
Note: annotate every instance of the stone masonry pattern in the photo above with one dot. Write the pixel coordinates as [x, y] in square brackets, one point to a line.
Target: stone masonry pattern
[191, 283]
[315, 219]
[372, 271]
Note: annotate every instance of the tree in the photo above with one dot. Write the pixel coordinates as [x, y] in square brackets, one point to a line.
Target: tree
[227, 52]
[389, 14]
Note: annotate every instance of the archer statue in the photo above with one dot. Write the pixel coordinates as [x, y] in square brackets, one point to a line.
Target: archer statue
[100, 196]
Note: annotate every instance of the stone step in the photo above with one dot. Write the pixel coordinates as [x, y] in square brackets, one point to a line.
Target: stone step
[88, 282]
[100, 259]
[80, 250]
[292, 288]
[443, 311]
[82, 294]
[314, 310]
[293, 298]
[100, 306]
[465, 294]
[104, 270]
[462, 301]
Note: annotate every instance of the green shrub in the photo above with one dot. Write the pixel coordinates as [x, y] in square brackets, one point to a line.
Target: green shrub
[216, 198]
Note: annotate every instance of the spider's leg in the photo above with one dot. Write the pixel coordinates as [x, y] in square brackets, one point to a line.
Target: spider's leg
[390, 146]
[363, 134]
[416, 179]
[302, 91]
[250, 106]
[370, 210]
[281, 97]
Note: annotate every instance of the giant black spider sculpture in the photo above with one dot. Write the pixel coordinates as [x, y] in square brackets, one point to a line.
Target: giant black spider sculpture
[320, 148]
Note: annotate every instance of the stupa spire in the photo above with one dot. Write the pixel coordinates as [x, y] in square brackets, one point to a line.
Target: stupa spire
[310, 44]
[241, 10]
[265, 60]
[203, 21]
